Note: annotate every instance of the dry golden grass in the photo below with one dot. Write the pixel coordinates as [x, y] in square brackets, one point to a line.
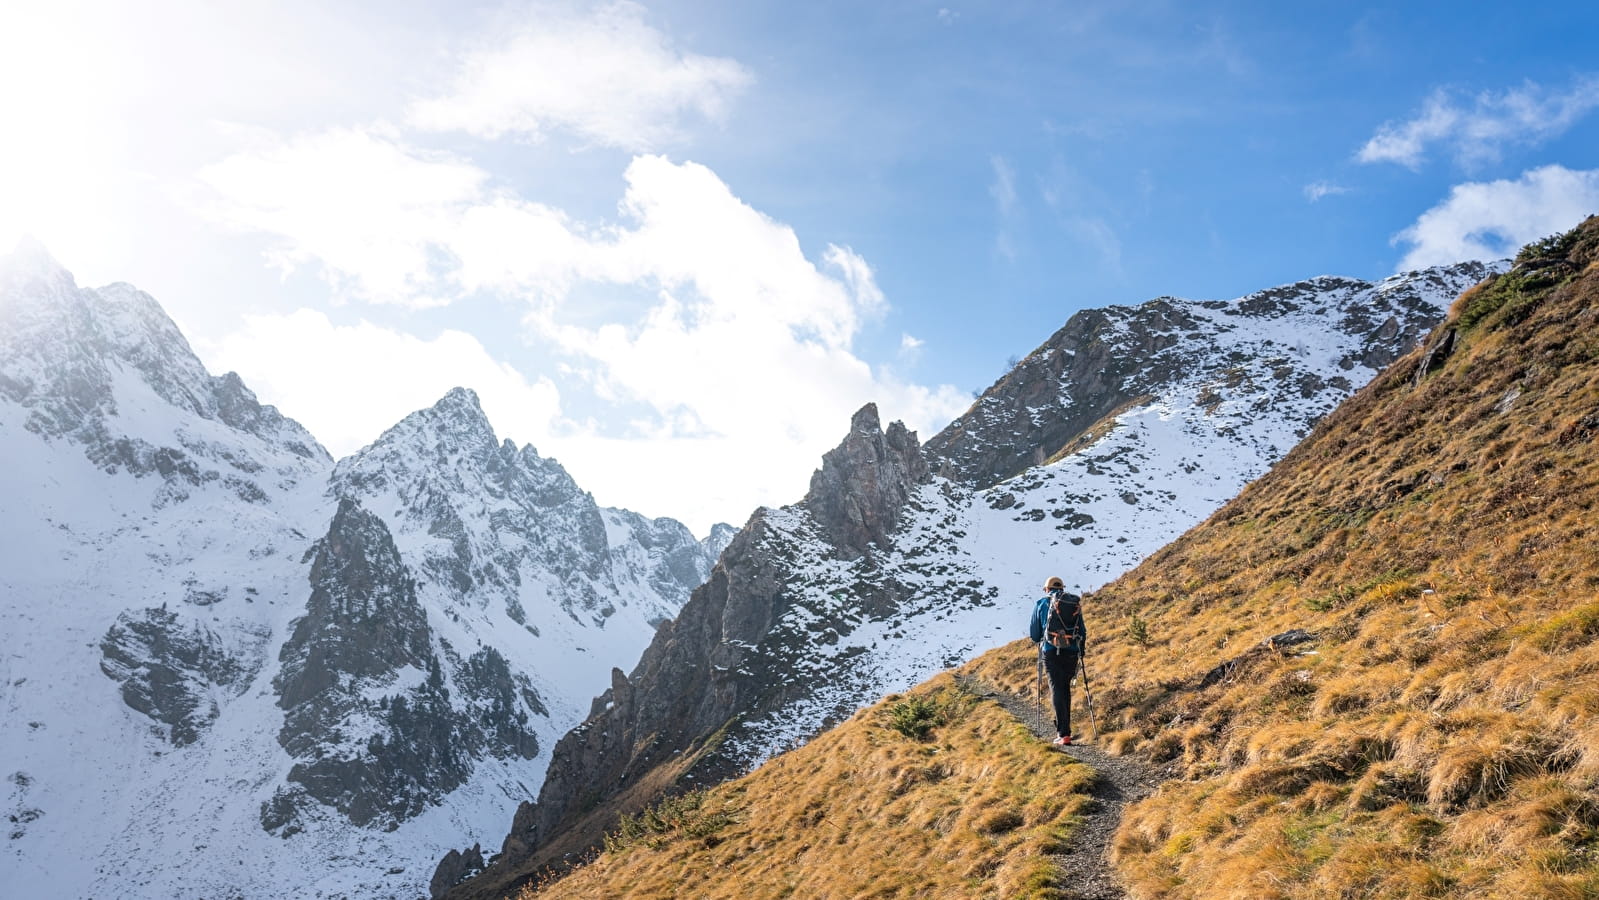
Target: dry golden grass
[868, 811]
[1441, 539]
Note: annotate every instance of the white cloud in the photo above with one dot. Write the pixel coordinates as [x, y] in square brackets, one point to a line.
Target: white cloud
[604, 75]
[1003, 190]
[380, 377]
[1097, 234]
[1491, 220]
[910, 347]
[372, 213]
[1477, 130]
[734, 349]
[746, 356]
[1319, 189]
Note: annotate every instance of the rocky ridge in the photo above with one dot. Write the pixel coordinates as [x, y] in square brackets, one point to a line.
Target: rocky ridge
[1103, 360]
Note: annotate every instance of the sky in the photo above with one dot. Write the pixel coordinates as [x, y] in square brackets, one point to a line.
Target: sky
[675, 245]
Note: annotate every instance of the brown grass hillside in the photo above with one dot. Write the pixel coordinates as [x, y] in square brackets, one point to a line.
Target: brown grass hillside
[932, 794]
[1439, 537]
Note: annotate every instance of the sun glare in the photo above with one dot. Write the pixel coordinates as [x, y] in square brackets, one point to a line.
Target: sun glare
[58, 104]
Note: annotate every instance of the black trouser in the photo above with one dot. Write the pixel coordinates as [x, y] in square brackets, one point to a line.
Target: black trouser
[1061, 665]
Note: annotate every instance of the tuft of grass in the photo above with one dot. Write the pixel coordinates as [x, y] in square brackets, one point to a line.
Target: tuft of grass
[1568, 629]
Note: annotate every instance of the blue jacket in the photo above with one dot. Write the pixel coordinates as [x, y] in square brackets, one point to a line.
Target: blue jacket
[1038, 627]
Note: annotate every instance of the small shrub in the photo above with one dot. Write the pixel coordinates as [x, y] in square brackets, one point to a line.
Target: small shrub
[914, 717]
[1138, 630]
[684, 814]
[1489, 298]
[1555, 246]
[1331, 600]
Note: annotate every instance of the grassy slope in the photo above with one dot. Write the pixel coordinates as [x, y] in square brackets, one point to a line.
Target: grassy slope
[968, 811]
[1442, 542]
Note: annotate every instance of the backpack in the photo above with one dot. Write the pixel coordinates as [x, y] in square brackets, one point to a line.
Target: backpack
[1061, 625]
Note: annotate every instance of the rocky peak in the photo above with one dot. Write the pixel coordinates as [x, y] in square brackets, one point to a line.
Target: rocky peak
[858, 495]
[451, 446]
[453, 431]
[29, 264]
[721, 535]
[72, 357]
[490, 520]
[459, 412]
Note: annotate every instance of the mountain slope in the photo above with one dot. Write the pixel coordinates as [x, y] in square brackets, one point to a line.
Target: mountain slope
[237, 669]
[1375, 668]
[887, 572]
[1372, 674]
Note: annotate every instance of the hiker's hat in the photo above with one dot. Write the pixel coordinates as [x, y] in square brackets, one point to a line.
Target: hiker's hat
[1054, 584]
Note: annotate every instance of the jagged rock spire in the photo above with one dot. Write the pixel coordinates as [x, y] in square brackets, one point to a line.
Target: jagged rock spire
[859, 493]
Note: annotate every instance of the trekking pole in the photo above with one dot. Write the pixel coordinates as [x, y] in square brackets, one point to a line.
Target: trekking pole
[1082, 664]
[1043, 699]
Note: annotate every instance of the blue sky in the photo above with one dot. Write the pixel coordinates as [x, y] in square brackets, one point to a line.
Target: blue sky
[675, 244]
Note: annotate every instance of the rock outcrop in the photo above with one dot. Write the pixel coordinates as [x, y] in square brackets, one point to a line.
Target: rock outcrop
[175, 671]
[858, 496]
[369, 715]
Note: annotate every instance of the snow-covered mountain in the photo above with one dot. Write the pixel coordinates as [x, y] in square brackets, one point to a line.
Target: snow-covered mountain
[234, 668]
[1124, 429]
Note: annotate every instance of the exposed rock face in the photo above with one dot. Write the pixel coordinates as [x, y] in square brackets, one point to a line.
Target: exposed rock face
[175, 671]
[1103, 360]
[455, 866]
[859, 493]
[736, 651]
[369, 715]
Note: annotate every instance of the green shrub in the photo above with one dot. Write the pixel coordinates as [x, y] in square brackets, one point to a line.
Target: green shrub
[684, 814]
[914, 717]
[1555, 246]
[1138, 629]
[1332, 599]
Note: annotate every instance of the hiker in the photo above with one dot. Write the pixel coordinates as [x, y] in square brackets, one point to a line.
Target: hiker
[1057, 627]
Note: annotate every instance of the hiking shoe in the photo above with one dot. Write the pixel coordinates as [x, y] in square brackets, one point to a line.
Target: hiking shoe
[1064, 740]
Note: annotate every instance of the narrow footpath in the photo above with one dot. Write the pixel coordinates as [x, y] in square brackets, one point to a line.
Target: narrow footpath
[1119, 781]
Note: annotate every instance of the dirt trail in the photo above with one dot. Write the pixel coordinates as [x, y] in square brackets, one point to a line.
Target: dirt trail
[1120, 781]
